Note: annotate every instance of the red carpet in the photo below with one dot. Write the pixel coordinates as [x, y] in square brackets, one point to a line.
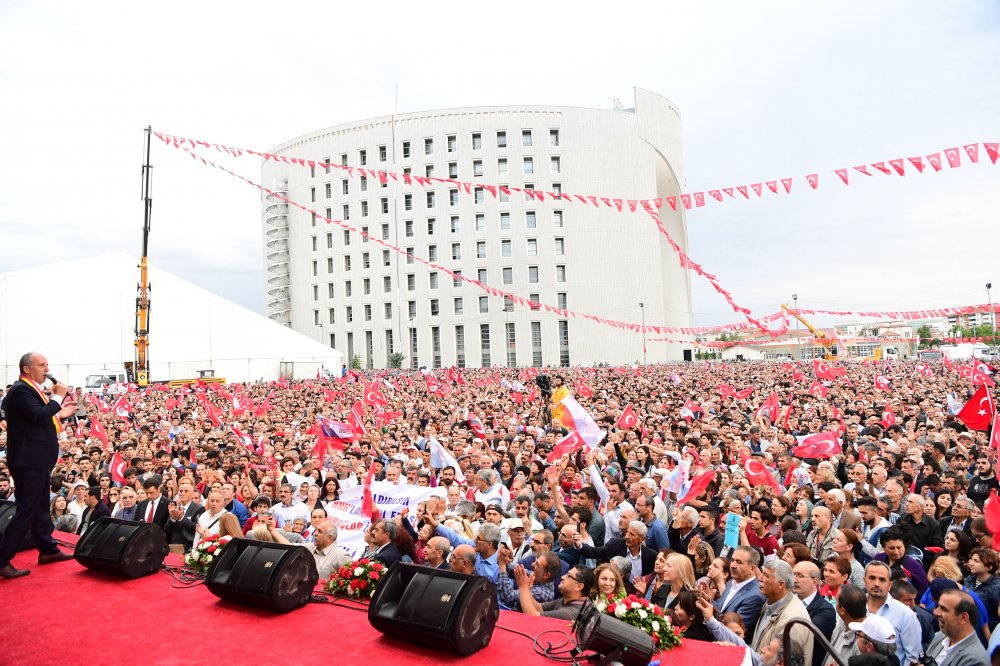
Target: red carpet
[64, 613]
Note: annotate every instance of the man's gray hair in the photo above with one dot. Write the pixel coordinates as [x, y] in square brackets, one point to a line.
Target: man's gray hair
[837, 495]
[441, 544]
[638, 527]
[490, 532]
[623, 565]
[25, 360]
[465, 509]
[782, 572]
[882, 648]
[389, 527]
[488, 476]
[690, 514]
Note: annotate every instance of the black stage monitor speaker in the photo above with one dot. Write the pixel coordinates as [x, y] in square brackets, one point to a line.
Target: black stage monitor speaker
[264, 574]
[128, 548]
[7, 510]
[435, 608]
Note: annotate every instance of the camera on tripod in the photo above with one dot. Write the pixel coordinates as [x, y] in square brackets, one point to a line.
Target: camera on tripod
[544, 383]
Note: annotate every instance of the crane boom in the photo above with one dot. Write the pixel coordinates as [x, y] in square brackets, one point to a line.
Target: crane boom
[818, 334]
[142, 301]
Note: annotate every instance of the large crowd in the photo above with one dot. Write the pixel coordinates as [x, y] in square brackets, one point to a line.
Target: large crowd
[885, 546]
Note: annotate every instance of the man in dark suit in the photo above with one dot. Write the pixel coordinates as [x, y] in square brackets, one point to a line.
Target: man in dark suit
[632, 547]
[805, 585]
[154, 509]
[183, 516]
[742, 593]
[33, 422]
[95, 509]
[382, 547]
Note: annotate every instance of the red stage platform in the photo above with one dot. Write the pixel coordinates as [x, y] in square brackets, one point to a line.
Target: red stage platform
[64, 613]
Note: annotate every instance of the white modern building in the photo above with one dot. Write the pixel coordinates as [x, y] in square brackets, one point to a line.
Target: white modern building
[365, 299]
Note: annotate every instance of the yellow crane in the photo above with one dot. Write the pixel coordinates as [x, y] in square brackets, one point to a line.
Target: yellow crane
[142, 296]
[818, 334]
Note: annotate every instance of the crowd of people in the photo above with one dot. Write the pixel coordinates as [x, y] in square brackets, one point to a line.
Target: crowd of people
[883, 546]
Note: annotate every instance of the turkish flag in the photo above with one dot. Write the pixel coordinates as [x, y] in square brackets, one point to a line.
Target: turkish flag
[121, 408]
[818, 389]
[214, 413]
[797, 376]
[888, 418]
[243, 438]
[368, 508]
[759, 475]
[995, 433]
[992, 514]
[725, 390]
[356, 419]
[628, 419]
[117, 468]
[583, 390]
[978, 412]
[385, 417]
[98, 431]
[769, 409]
[882, 383]
[476, 425]
[568, 444]
[818, 445]
[745, 393]
[373, 396]
[698, 486]
[979, 377]
[691, 410]
[822, 370]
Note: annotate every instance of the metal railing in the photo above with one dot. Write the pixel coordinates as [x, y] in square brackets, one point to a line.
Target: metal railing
[818, 640]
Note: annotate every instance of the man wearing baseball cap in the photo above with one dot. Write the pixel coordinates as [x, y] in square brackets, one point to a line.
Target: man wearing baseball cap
[876, 636]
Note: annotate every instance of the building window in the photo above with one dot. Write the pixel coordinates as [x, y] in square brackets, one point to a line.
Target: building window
[477, 141]
[504, 221]
[528, 186]
[364, 234]
[329, 265]
[382, 154]
[452, 143]
[435, 308]
[363, 157]
[329, 241]
[553, 137]
[386, 284]
[433, 280]
[429, 170]
[313, 240]
[315, 267]
[484, 344]
[413, 347]
[535, 301]
[386, 260]
[480, 222]
[501, 139]
[411, 309]
[459, 306]
[408, 226]
[343, 161]
[529, 165]
[560, 246]
[366, 286]
[326, 164]
[345, 187]
[364, 209]
[328, 190]
[332, 316]
[436, 345]
[484, 305]
[428, 146]
[430, 199]
[511, 346]
[530, 221]
[478, 196]
[347, 263]
[564, 343]
[432, 253]
[431, 226]
[384, 201]
[477, 167]
[481, 249]
[411, 282]
[533, 274]
[364, 183]
[525, 138]
[481, 274]
[350, 314]
[329, 214]
[409, 255]
[406, 149]
[508, 275]
[346, 212]
[313, 219]
[557, 219]
[561, 300]
[455, 224]
[368, 312]
[348, 288]
[389, 347]
[506, 248]
[460, 346]
[456, 251]
[556, 188]
[536, 344]
[554, 165]
[385, 232]
[456, 280]
[316, 296]
[560, 273]
[365, 261]
[508, 304]
[503, 195]
[502, 167]
[312, 194]
[453, 169]
[452, 197]
[407, 202]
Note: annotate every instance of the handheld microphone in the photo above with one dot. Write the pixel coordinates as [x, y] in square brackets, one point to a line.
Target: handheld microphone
[48, 376]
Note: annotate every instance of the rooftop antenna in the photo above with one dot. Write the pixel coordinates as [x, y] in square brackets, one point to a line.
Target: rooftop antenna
[616, 104]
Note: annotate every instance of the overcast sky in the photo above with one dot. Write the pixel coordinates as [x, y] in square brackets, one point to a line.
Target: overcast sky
[766, 90]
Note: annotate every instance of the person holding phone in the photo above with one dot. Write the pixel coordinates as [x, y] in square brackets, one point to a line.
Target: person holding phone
[34, 421]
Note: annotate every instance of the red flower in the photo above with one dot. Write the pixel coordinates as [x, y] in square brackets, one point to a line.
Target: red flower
[374, 575]
[362, 584]
[657, 611]
[677, 632]
[378, 566]
[611, 607]
[212, 549]
[362, 561]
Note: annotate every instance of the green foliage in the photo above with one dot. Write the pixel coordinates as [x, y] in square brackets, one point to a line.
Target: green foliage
[356, 362]
[396, 360]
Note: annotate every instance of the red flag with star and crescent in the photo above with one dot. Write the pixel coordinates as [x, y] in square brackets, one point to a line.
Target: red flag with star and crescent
[374, 396]
[628, 419]
[978, 412]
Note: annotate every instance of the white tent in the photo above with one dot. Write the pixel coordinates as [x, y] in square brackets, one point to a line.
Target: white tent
[81, 315]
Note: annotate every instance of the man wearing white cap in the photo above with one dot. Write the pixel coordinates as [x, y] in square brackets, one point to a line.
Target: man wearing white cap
[876, 636]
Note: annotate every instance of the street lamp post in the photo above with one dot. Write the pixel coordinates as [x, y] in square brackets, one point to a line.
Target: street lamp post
[798, 346]
[993, 317]
[413, 360]
[642, 309]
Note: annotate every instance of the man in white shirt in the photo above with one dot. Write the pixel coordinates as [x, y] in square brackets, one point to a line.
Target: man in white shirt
[78, 504]
[288, 509]
[208, 521]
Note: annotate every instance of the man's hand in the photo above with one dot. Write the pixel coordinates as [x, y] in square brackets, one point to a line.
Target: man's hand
[706, 608]
[60, 389]
[503, 556]
[175, 512]
[693, 544]
[523, 579]
[68, 409]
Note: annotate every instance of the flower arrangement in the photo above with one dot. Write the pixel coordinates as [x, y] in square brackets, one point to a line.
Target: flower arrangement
[202, 555]
[357, 579]
[641, 613]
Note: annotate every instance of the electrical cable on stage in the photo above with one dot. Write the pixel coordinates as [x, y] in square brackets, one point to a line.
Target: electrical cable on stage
[182, 577]
[550, 651]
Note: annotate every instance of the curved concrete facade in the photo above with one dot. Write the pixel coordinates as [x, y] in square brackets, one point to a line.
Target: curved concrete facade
[332, 285]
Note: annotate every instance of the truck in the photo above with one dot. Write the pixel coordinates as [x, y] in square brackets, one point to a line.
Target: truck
[108, 380]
